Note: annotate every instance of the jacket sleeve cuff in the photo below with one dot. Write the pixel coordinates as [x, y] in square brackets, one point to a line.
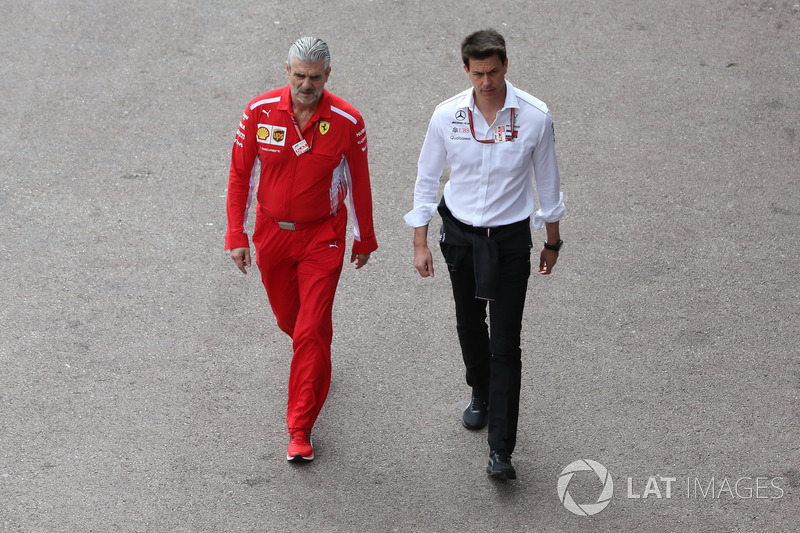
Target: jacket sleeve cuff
[240, 240]
[366, 246]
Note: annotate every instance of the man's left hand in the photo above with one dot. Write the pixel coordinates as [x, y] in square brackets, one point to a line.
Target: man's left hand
[359, 259]
[547, 260]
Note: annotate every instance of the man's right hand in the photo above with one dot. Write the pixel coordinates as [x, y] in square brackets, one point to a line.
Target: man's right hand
[241, 256]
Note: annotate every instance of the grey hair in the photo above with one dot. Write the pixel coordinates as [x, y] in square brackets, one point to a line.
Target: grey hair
[310, 50]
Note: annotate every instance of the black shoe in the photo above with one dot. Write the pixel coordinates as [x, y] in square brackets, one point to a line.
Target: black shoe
[476, 415]
[500, 465]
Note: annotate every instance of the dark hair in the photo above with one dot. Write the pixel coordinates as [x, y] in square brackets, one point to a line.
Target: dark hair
[483, 44]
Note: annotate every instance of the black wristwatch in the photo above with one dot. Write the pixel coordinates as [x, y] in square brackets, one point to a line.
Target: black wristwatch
[555, 247]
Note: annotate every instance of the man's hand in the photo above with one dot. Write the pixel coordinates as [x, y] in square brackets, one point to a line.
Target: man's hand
[547, 260]
[241, 256]
[423, 260]
[359, 259]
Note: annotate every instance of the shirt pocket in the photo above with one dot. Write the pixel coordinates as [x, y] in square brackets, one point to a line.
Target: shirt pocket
[515, 155]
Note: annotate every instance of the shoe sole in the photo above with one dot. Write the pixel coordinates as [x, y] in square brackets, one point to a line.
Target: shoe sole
[501, 475]
[471, 427]
[299, 458]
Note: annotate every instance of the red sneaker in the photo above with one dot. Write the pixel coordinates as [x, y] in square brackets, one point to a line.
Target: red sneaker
[300, 447]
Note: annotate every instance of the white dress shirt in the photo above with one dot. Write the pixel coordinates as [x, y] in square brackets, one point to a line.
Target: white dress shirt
[490, 184]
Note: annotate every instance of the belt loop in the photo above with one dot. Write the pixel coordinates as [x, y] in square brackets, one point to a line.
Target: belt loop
[488, 230]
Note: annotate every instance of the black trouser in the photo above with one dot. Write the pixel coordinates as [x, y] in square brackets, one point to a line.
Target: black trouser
[492, 354]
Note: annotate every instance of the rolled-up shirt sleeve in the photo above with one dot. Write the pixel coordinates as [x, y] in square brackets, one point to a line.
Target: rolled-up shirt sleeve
[431, 163]
[547, 179]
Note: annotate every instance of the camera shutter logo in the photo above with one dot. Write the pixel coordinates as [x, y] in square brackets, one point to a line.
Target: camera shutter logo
[585, 509]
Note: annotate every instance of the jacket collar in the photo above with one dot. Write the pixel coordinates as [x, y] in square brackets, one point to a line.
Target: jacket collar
[323, 108]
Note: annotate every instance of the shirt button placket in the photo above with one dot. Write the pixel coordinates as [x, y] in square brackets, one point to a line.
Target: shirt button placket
[483, 192]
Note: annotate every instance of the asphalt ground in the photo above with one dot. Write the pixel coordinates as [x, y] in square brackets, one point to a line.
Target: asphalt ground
[143, 379]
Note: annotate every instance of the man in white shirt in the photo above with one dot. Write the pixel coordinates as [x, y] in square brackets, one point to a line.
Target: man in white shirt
[500, 146]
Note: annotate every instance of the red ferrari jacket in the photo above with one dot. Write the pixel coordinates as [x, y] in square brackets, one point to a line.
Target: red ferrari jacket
[301, 188]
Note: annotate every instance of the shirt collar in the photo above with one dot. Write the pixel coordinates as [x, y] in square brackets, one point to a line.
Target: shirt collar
[468, 102]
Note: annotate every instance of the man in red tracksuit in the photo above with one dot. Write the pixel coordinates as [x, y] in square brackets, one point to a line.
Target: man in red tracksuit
[312, 151]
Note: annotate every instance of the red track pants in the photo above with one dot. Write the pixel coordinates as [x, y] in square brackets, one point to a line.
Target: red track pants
[300, 270]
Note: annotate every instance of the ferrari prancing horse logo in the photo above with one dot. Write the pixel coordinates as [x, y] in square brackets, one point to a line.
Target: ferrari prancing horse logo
[324, 127]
